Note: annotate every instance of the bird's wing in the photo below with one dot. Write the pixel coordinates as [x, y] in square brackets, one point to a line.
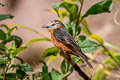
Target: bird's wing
[64, 37]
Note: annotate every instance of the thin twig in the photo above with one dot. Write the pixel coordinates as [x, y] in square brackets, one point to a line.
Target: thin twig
[111, 55]
[78, 19]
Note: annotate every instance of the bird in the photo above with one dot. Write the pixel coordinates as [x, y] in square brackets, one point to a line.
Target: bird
[64, 41]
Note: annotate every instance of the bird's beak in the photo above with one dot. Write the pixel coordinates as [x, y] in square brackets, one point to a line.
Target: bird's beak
[45, 26]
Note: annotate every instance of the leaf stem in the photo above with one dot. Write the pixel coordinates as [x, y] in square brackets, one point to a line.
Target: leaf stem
[112, 46]
[4, 74]
[78, 19]
[109, 54]
[67, 66]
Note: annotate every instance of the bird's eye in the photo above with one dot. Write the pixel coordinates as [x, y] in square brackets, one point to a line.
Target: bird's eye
[52, 24]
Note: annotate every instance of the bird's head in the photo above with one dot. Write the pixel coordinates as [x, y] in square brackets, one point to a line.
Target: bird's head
[55, 24]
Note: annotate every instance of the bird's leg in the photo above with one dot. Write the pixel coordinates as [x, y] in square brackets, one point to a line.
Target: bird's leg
[76, 67]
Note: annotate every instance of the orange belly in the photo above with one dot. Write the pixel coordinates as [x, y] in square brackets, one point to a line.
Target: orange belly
[59, 44]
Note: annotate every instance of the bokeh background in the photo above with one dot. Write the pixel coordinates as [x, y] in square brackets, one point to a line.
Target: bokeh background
[33, 13]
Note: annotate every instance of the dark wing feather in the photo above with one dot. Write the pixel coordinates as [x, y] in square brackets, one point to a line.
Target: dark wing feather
[63, 36]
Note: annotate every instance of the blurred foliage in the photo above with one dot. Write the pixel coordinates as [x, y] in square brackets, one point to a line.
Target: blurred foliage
[8, 54]
[54, 74]
[35, 40]
[25, 27]
[51, 51]
[105, 69]
[118, 0]
[9, 70]
[2, 4]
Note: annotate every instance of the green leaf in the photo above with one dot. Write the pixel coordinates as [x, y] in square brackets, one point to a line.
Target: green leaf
[6, 16]
[20, 59]
[56, 6]
[55, 75]
[1, 52]
[51, 51]
[88, 46]
[35, 40]
[12, 45]
[1, 77]
[73, 27]
[45, 67]
[71, 8]
[70, 70]
[14, 52]
[78, 30]
[11, 30]
[81, 38]
[100, 7]
[33, 76]
[17, 39]
[98, 38]
[5, 26]
[77, 0]
[2, 35]
[3, 61]
[20, 73]
[2, 46]
[11, 76]
[118, 57]
[45, 76]
[18, 50]
[15, 65]
[26, 67]
[69, 28]
[76, 59]
[63, 14]
[67, 25]
[63, 66]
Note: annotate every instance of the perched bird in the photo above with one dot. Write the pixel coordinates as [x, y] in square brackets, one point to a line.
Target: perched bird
[64, 41]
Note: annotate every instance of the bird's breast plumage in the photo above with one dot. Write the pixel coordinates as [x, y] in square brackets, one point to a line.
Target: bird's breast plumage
[59, 44]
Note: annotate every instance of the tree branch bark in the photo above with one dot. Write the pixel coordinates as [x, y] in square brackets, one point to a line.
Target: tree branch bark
[76, 67]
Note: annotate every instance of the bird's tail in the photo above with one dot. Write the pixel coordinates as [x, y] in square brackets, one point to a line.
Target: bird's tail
[84, 57]
[89, 64]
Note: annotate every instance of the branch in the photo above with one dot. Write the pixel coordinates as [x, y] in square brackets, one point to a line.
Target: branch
[109, 54]
[78, 19]
[76, 67]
